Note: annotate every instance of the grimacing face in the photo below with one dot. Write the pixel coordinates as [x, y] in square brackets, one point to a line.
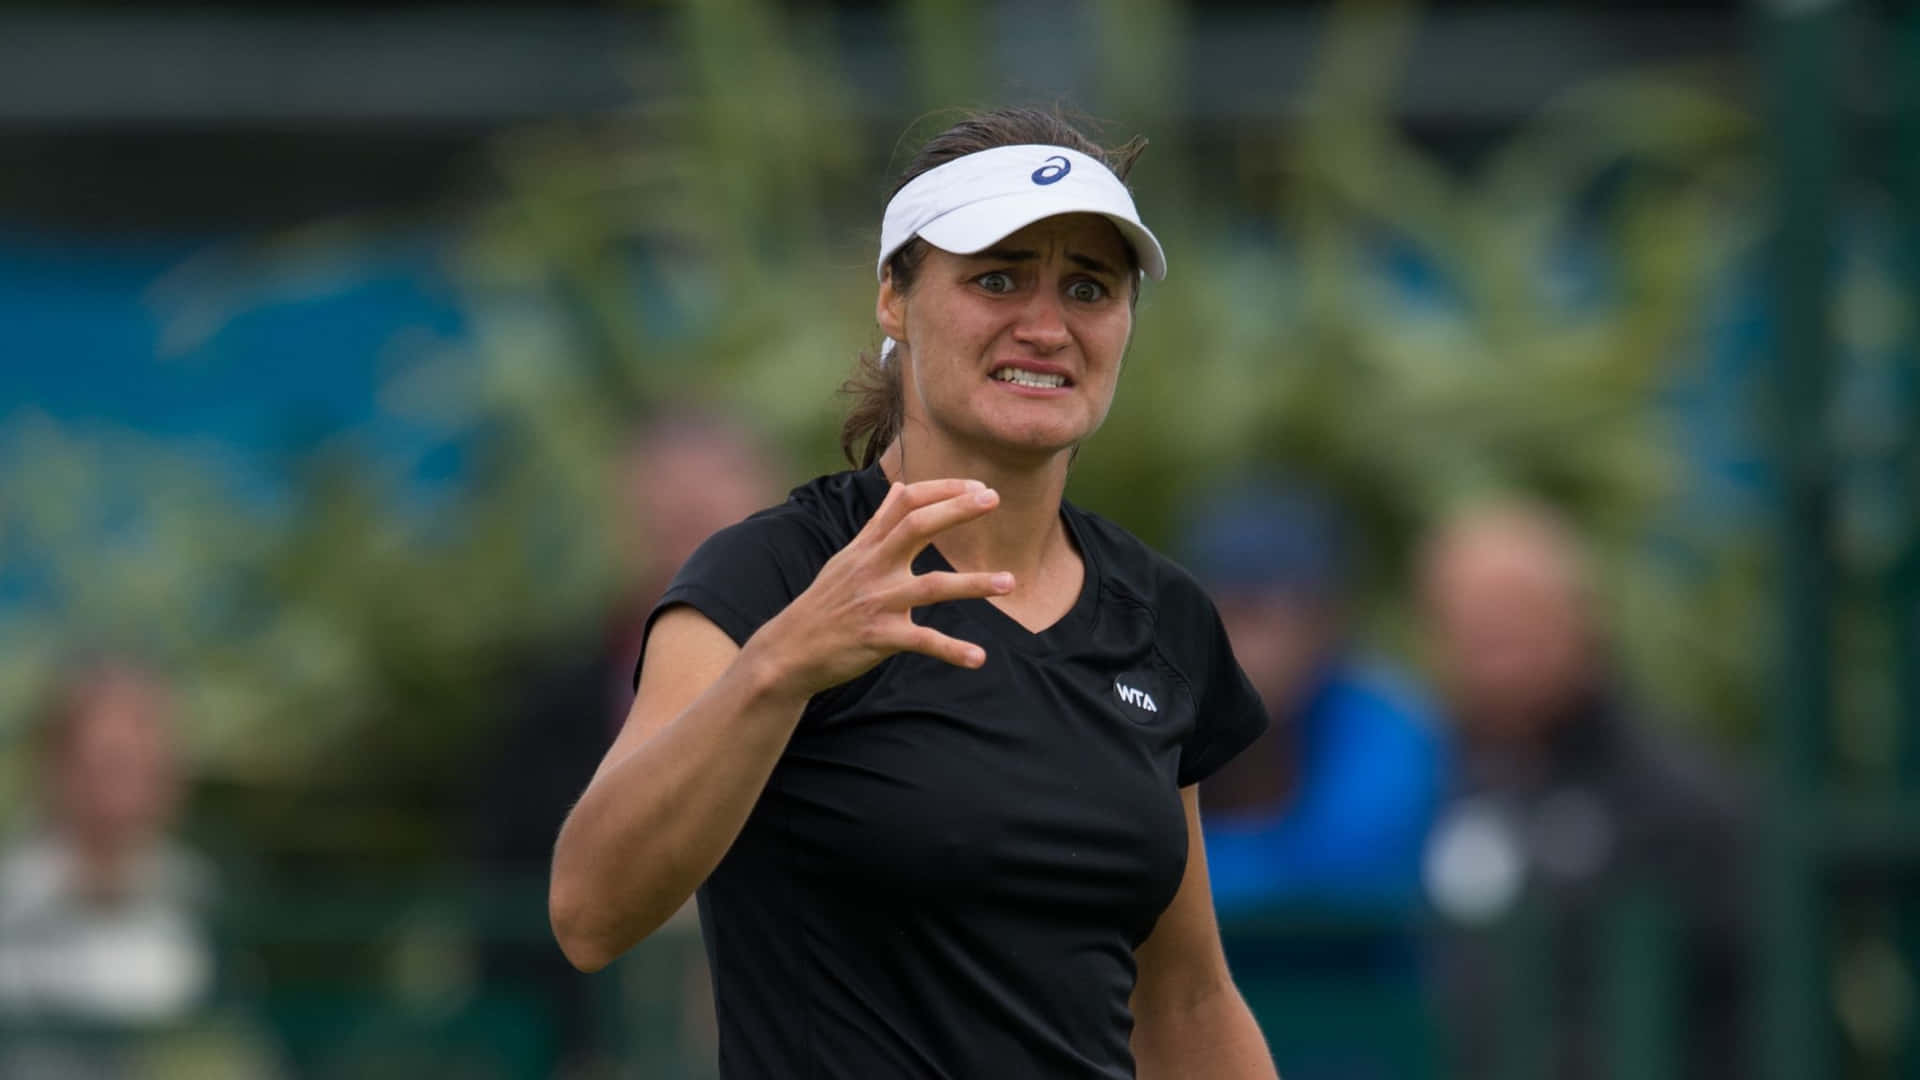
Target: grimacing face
[1016, 350]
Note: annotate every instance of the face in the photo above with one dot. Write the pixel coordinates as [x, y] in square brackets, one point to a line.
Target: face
[1016, 348]
[1280, 640]
[114, 781]
[684, 487]
[1509, 629]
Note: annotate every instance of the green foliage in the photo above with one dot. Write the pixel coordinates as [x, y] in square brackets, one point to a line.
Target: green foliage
[713, 245]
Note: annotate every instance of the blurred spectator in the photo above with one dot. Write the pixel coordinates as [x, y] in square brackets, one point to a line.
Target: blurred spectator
[1566, 796]
[1328, 810]
[1332, 805]
[681, 478]
[102, 916]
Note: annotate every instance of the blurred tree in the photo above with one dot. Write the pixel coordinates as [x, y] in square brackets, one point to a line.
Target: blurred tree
[1403, 334]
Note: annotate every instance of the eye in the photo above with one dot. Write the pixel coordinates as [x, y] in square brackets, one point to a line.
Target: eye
[1086, 291]
[995, 281]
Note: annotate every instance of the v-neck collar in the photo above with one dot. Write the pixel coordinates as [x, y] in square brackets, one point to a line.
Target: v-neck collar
[1049, 639]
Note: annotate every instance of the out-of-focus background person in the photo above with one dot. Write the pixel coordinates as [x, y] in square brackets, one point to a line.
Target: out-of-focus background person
[353, 358]
[1567, 793]
[102, 912]
[1323, 818]
[676, 481]
[679, 478]
[105, 917]
[1332, 804]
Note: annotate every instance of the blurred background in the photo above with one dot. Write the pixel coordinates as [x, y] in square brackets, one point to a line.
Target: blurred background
[1534, 386]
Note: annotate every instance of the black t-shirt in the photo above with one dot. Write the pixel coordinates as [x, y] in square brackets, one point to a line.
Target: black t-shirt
[949, 869]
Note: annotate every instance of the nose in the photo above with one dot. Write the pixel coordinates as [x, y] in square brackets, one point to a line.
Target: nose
[1042, 324]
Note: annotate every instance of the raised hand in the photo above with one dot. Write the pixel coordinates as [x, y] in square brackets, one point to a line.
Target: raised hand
[858, 610]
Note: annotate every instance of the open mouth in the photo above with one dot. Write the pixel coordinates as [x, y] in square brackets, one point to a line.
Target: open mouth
[1038, 380]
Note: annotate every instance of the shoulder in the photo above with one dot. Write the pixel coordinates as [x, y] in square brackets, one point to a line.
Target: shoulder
[1186, 626]
[1188, 638]
[816, 520]
[184, 874]
[1386, 695]
[30, 872]
[1134, 570]
[1674, 770]
[744, 574]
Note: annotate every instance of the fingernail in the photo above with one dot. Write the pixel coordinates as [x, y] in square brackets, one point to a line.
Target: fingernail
[975, 485]
[986, 497]
[1003, 581]
[979, 657]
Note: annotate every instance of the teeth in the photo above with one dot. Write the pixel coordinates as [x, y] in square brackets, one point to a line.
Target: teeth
[1029, 378]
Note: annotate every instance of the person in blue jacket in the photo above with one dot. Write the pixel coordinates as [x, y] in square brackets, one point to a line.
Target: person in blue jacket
[1331, 807]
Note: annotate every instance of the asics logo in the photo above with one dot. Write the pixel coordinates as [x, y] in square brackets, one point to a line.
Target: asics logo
[1050, 172]
[1139, 699]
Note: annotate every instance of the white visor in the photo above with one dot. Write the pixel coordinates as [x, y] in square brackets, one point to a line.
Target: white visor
[973, 202]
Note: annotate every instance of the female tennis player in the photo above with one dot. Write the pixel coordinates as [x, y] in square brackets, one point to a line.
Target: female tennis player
[925, 737]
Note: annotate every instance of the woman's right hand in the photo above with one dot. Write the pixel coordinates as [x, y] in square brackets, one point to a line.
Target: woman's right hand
[705, 731]
[858, 610]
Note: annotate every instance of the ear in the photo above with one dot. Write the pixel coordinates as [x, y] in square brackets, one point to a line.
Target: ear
[890, 308]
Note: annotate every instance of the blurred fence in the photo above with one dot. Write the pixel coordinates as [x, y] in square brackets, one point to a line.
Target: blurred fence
[355, 982]
[1841, 914]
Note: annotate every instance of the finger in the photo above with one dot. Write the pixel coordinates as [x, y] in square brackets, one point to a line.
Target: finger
[922, 525]
[903, 499]
[930, 642]
[939, 586]
[889, 512]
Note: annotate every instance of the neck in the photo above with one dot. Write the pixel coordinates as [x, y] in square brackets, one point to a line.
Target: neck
[102, 867]
[1021, 533]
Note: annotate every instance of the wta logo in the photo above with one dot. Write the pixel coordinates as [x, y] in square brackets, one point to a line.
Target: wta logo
[1135, 697]
[1050, 172]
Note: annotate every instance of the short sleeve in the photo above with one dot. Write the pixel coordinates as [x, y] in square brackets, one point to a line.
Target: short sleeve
[745, 574]
[1228, 712]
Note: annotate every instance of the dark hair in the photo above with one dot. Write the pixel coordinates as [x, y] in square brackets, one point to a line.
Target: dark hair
[878, 396]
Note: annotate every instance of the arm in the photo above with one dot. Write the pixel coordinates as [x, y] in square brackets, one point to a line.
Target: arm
[707, 724]
[1189, 1022]
[710, 720]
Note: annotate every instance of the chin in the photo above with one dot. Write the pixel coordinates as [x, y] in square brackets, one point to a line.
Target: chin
[1038, 440]
[1040, 430]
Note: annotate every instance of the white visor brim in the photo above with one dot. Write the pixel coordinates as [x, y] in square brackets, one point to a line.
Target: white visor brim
[973, 202]
[978, 226]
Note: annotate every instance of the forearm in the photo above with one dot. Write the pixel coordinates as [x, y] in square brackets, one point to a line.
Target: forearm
[652, 825]
[1210, 1038]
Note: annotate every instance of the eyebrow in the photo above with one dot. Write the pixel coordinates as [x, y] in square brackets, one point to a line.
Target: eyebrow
[1085, 262]
[1088, 262]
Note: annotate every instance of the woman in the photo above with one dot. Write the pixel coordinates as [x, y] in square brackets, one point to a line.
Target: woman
[925, 737]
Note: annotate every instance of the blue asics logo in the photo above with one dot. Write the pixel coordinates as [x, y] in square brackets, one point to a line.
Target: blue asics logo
[1049, 172]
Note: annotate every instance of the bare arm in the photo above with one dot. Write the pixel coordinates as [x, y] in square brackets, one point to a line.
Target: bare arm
[710, 720]
[1189, 1022]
